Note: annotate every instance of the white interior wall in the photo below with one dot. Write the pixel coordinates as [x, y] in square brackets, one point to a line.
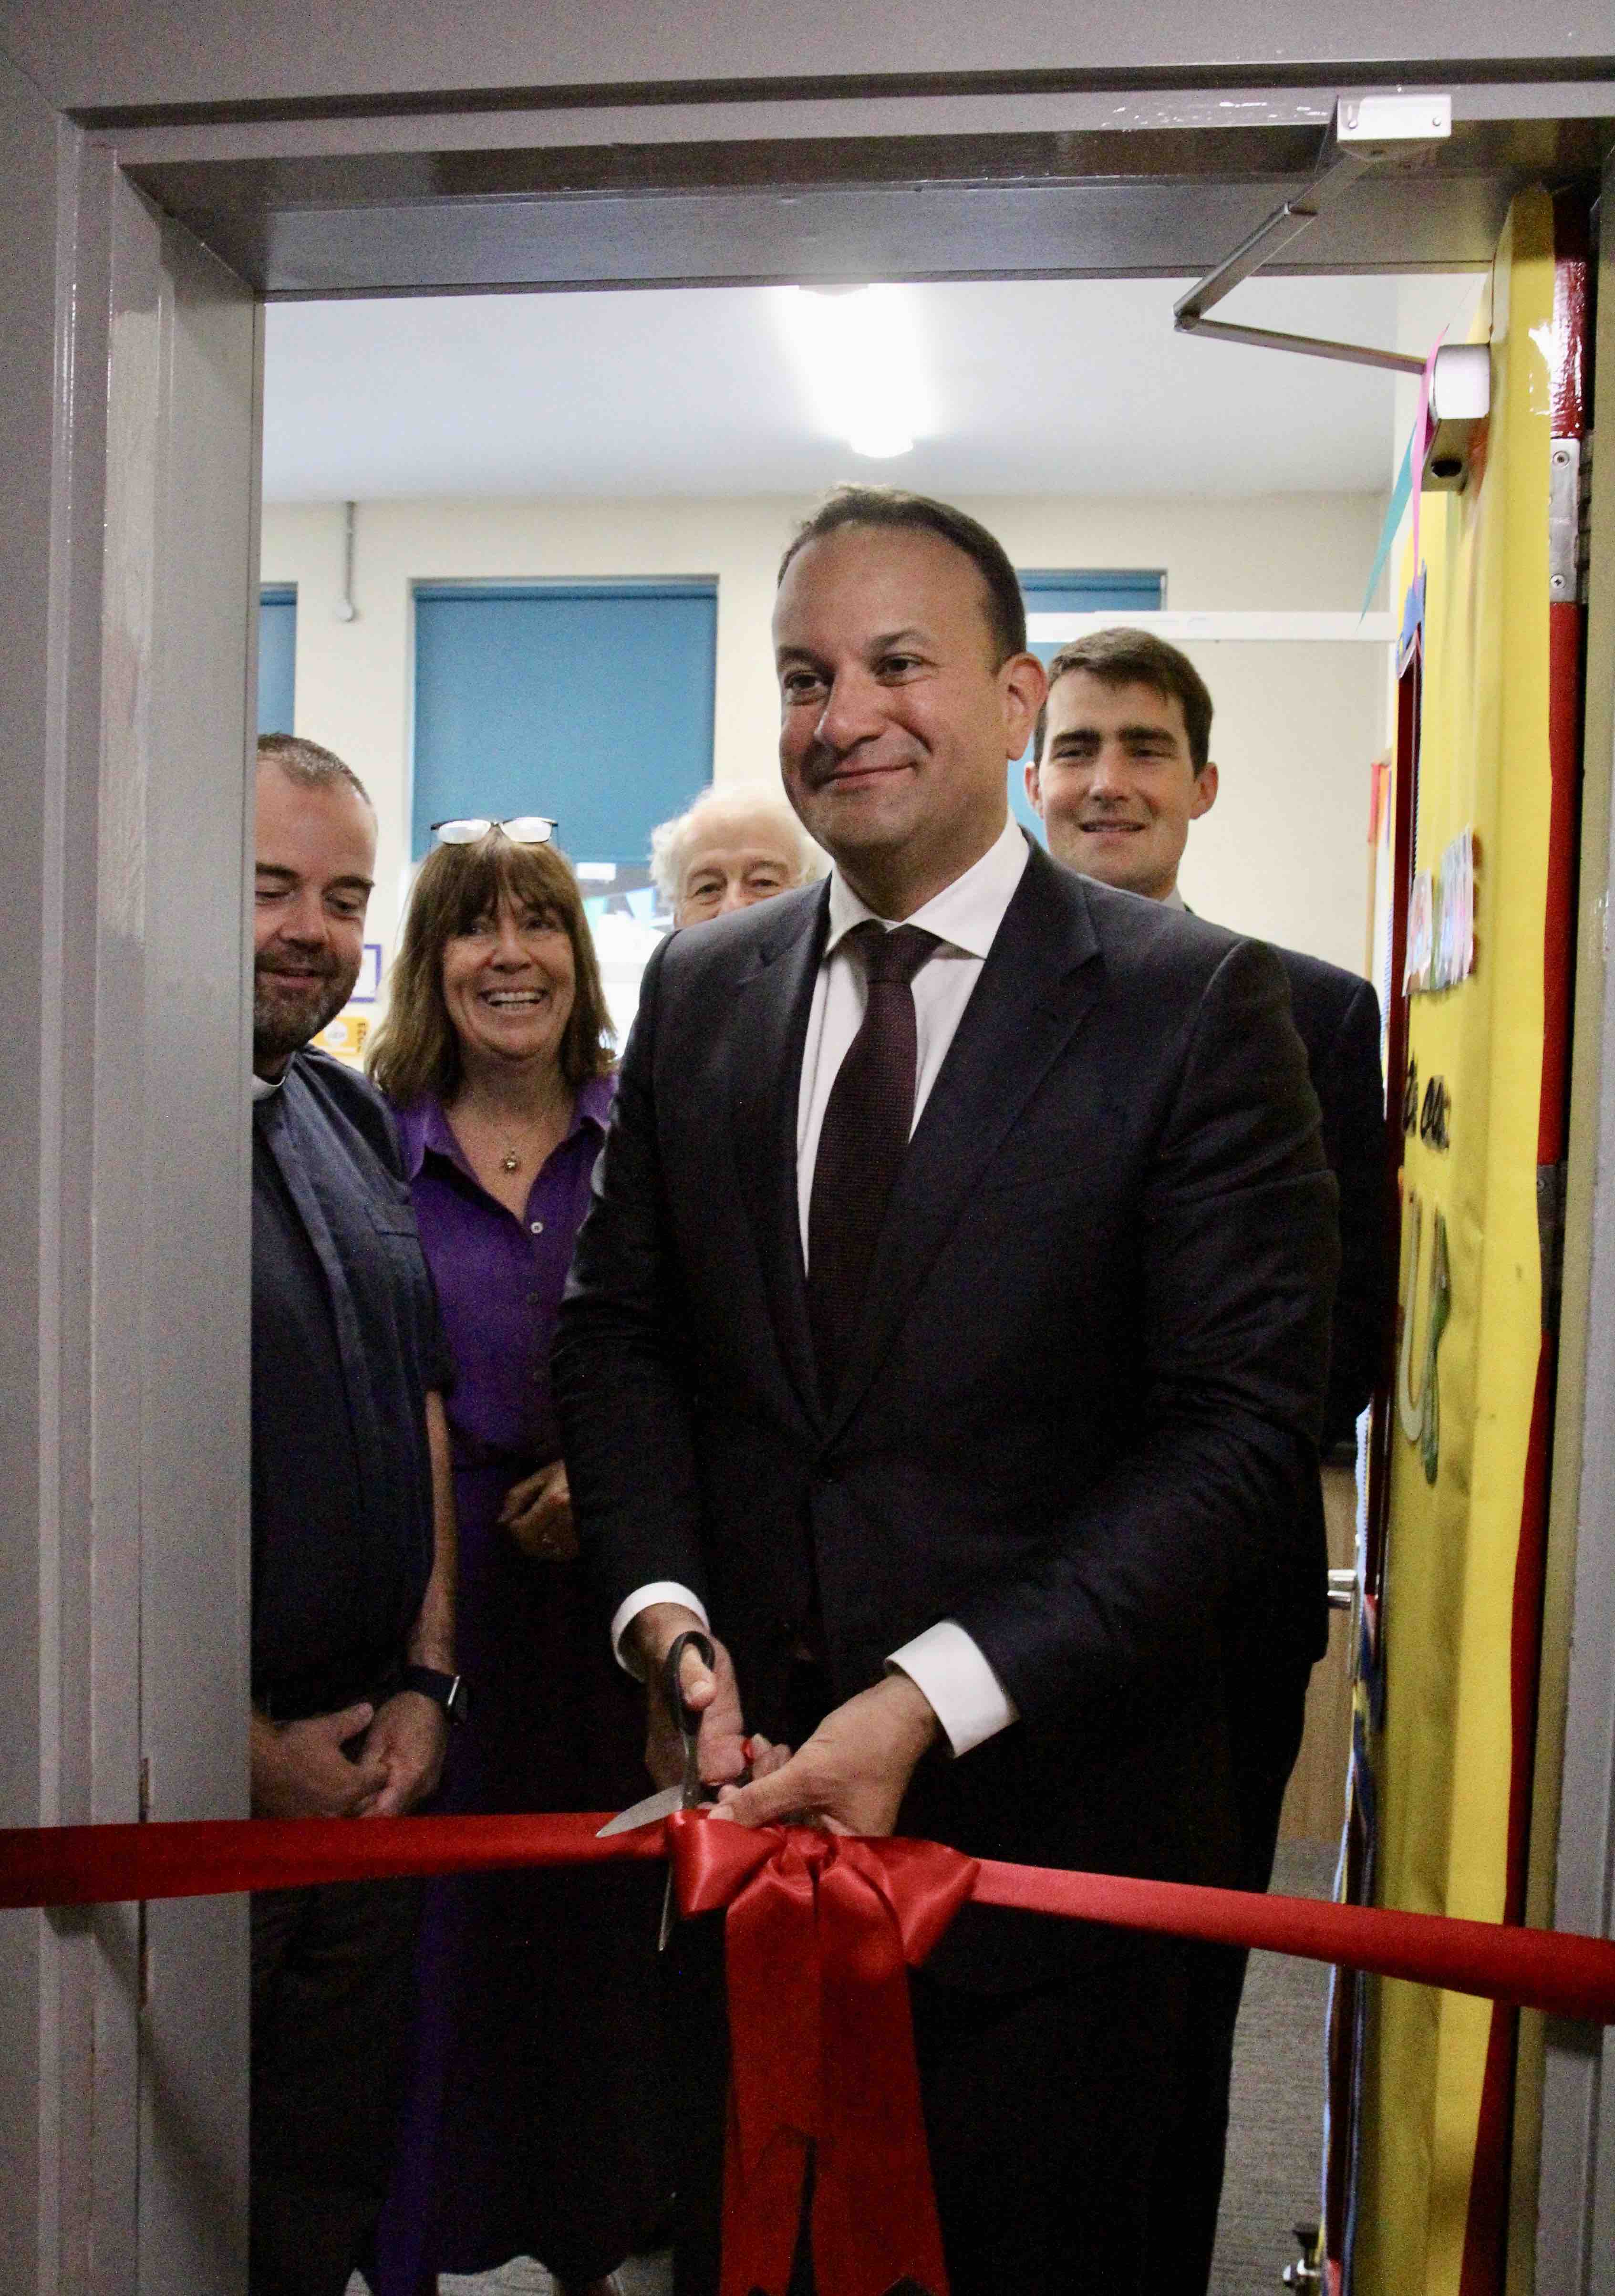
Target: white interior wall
[1285, 853]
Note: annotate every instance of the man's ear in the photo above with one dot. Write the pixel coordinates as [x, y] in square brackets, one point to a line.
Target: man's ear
[1205, 791]
[1034, 787]
[1025, 688]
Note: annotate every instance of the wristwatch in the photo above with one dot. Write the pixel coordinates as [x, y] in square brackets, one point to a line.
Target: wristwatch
[448, 1690]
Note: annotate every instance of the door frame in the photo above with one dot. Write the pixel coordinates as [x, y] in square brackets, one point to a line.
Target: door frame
[1573, 1824]
[123, 2053]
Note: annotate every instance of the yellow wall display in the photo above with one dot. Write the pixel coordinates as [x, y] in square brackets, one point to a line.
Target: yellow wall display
[1429, 2221]
[344, 1037]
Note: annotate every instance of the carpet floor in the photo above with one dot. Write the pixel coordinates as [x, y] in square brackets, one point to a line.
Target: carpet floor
[1276, 2127]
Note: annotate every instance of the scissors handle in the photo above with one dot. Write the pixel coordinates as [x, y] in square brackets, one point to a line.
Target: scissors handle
[686, 1715]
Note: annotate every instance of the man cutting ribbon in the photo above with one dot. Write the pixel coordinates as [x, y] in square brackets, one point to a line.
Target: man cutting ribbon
[949, 1338]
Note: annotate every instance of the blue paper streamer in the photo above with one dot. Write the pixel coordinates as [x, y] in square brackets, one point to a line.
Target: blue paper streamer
[1400, 495]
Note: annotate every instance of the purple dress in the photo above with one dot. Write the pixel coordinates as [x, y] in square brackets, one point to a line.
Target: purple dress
[531, 2127]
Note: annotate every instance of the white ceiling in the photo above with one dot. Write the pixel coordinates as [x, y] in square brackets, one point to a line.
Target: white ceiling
[1025, 387]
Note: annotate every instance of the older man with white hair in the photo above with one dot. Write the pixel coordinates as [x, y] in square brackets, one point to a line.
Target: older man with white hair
[732, 848]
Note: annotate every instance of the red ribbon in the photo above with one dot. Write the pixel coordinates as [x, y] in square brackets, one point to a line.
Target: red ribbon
[820, 1932]
[820, 1929]
[1556, 1971]
[207, 1857]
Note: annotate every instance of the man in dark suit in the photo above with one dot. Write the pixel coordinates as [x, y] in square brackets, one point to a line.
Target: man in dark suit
[949, 1333]
[1121, 769]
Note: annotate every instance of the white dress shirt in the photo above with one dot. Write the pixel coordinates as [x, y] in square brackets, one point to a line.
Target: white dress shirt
[963, 1692]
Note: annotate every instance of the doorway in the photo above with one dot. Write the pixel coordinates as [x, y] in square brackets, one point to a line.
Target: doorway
[195, 231]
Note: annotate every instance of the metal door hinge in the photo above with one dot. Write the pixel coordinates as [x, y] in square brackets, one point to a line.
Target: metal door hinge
[1569, 527]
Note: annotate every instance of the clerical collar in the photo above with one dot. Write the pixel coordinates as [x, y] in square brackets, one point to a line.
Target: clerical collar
[266, 1088]
[1175, 899]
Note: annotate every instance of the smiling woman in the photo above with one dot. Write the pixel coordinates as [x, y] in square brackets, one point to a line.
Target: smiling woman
[486, 897]
[529, 2129]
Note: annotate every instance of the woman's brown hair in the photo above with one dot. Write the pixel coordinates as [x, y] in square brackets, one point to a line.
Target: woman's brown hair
[416, 1050]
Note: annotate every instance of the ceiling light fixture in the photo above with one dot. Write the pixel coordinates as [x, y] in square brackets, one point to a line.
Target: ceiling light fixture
[859, 354]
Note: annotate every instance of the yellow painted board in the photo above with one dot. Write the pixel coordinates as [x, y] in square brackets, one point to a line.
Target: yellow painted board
[1443, 1759]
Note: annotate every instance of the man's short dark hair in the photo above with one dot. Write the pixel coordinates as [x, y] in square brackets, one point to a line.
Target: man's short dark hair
[308, 764]
[852, 505]
[1128, 657]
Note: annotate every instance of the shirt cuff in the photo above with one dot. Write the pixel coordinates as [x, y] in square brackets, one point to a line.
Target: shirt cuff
[659, 1590]
[964, 1693]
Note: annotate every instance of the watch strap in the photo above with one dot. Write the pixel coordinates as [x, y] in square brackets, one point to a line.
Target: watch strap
[448, 1690]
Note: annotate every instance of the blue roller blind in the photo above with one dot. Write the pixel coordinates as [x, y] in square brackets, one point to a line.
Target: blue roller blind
[1059, 591]
[1054, 590]
[589, 701]
[276, 657]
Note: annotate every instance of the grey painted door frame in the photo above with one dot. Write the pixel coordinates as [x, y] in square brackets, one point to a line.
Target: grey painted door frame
[1573, 1846]
[123, 2060]
[122, 2039]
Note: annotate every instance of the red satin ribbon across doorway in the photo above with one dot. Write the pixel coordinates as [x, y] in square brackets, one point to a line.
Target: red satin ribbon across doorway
[820, 1929]
[1557, 1971]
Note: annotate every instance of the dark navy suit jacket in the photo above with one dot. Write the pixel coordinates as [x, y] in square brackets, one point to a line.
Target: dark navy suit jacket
[1082, 1413]
[1337, 1016]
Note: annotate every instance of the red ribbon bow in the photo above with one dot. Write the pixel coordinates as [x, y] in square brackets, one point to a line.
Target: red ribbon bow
[820, 1933]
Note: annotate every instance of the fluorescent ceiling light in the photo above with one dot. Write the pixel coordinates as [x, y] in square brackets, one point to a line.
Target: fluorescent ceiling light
[880, 442]
[862, 364]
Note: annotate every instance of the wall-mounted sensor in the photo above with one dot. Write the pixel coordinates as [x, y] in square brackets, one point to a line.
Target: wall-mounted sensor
[1460, 401]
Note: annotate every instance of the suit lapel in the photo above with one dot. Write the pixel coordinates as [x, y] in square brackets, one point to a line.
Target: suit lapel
[1040, 980]
[767, 1031]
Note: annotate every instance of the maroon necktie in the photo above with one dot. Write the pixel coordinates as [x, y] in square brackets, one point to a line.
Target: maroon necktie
[863, 1142]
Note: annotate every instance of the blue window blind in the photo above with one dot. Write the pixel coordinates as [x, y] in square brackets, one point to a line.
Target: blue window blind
[276, 657]
[1053, 590]
[588, 701]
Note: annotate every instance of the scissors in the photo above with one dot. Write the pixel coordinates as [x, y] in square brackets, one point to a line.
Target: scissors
[690, 1793]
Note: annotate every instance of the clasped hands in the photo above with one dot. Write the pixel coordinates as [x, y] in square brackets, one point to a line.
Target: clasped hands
[849, 1777]
[304, 1770]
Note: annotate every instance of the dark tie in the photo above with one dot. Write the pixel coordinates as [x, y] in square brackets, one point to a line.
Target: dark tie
[863, 1142]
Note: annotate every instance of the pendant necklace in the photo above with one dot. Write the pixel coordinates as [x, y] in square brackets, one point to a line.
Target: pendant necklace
[510, 1161]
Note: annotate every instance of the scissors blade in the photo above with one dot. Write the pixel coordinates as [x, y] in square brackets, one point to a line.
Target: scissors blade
[691, 1793]
[644, 1812]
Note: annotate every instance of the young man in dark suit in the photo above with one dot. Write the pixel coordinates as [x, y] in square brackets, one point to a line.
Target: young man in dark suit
[949, 1334]
[1122, 769]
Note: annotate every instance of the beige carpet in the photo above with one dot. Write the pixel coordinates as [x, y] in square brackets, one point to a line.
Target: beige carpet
[1276, 2133]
